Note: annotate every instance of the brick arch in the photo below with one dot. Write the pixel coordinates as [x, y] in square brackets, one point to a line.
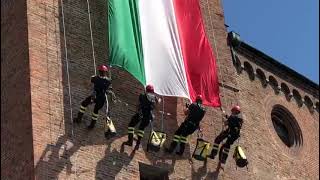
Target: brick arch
[274, 84]
[308, 102]
[249, 69]
[286, 91]
[260, 74]
[297, 96]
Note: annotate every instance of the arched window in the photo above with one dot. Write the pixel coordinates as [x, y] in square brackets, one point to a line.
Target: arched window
[274, 84]
[286, 126]
[297, 97]
[286, 91]
[262, 77]
[308, 102]
[248, 68]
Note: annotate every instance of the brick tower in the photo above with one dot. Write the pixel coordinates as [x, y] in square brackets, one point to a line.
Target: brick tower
[280, 107]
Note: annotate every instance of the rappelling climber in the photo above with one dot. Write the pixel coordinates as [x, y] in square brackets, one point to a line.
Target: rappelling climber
[102, 87]
[147, 103]
[232, 133]
[195, 113]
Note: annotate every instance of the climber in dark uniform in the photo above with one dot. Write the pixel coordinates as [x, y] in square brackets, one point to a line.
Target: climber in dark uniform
[144, 115]
[232, 133]
[195, 113]
[102, 86]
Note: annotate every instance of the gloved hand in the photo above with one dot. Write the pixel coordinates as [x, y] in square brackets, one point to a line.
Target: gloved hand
[113, 96]
[225, 123]
[187, 105]
[200, 134]
[200, 129]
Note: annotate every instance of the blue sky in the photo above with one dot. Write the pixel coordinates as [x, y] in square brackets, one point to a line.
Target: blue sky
[287, 30]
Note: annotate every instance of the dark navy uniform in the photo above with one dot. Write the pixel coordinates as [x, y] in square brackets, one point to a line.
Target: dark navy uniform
[101, 85]
[144, 115]
[191, 124]
[232, 133]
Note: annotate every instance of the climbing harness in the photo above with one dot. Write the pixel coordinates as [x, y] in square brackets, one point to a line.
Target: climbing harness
[202, 148]
[157, 138]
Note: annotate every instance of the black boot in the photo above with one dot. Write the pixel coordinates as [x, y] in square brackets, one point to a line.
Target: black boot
[213, 154]
[214, 150]
[138, 143]
[92, 124]
[220, 167]
[107, 134]
[181, 151]
[171, 148]
[223, 155]
[78, 118]
[130, 140]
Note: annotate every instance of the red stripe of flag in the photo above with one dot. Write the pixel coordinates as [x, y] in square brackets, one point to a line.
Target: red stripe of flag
[199, 61]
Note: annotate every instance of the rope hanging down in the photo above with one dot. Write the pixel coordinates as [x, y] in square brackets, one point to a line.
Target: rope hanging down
[92, 44]
[217, 54]
[93, 54]
[162, 114]
[67, 66]
[68, 79]
[157, 138]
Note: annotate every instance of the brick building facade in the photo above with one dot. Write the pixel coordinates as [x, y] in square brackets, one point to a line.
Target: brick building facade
[38, 141]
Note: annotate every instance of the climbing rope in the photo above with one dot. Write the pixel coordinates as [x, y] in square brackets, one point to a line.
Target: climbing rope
[93, 55]
[67, 66]
[92, 44]
[162, 114]
[162, 117]
[68, 79]
[217, 54]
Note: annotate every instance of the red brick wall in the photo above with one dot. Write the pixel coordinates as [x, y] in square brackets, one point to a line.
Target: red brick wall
[92, 156]
[16, 124]
[270, 158]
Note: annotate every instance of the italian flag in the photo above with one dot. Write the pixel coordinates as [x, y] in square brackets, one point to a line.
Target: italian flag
[163, 43]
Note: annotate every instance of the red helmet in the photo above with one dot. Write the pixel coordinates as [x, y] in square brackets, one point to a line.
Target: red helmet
[103, 68]
[236, 109]
[199, 97]
[149, 88]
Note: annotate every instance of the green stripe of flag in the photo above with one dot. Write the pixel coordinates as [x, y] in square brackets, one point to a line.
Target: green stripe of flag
[125, 44]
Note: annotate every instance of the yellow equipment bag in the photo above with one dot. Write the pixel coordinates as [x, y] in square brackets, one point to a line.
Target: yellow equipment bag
[109, 127]
[202, 150]
[156, 140]
[240, 157]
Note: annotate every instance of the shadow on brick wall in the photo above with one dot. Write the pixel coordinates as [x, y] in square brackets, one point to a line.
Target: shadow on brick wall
[56, 157]
[115, 159]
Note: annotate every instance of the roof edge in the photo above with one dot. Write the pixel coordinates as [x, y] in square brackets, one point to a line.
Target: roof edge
[238, 45]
